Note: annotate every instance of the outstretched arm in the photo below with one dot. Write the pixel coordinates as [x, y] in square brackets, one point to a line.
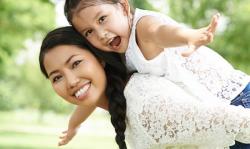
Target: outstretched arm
[157, 35]
[80, 114]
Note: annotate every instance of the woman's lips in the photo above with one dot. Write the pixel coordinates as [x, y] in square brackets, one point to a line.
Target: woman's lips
[82, 92]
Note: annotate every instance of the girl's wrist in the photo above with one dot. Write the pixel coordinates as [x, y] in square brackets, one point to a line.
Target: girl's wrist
[186, 35]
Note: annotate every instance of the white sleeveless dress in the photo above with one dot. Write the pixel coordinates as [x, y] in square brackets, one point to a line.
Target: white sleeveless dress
[204, 74]
[161, 115]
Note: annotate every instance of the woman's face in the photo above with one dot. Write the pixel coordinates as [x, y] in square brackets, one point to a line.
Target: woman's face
[76, 75]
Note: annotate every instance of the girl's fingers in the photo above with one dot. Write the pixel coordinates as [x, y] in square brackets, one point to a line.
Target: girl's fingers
[214, 22]
[210, 37]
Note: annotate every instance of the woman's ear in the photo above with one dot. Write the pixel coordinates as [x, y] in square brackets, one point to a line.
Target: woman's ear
[103, 63]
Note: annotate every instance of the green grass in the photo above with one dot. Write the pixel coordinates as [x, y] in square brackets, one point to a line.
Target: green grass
[21, 130]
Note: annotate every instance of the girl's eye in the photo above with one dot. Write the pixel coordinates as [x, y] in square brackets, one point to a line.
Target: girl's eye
[87, 33]
[102, 19]
[76, 63]
[56, 78]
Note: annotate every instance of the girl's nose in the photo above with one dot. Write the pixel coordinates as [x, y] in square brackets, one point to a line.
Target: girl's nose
[103, 35]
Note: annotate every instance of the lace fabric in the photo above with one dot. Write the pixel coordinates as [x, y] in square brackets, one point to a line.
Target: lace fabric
[215, 73]
[211, 74]
[161, 115]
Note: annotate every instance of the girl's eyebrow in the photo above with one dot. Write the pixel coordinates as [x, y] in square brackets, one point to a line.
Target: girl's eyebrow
[94, 18]
[97, 15]
[65, 63]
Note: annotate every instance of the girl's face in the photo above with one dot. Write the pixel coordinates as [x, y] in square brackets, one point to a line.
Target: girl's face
[76, 75]
[106, 26]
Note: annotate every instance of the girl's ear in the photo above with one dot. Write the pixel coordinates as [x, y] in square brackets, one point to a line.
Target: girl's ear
[126, 6]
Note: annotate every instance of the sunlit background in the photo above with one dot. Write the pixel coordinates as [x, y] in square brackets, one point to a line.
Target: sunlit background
[32, 116]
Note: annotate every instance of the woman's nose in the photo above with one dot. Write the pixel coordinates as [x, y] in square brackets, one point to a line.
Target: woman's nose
[72, 80]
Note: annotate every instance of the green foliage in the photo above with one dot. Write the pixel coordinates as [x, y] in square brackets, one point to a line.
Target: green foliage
[6, 93]
[233, 42]
[22, 85]
[21, 20]
[31, 89]
[143, 4]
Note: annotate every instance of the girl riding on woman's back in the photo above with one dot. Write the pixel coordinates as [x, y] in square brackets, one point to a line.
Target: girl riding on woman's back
[155, 112]
[150, 42]
[144, 36]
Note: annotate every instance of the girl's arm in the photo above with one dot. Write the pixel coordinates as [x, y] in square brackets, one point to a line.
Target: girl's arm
[80, 114]
[155, 35]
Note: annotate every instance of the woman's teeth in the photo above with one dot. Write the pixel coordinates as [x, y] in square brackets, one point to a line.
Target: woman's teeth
[82, 91]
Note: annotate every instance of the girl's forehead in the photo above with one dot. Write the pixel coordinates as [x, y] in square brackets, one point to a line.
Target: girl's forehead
[94, 7]
[87, 3]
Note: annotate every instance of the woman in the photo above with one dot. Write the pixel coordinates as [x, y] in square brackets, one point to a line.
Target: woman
[168, 118]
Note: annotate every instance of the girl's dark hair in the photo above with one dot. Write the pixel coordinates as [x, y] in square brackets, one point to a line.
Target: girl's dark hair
[74, 6]
[115, 70]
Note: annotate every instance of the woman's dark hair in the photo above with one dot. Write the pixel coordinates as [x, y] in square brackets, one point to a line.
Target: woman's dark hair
[115, 71]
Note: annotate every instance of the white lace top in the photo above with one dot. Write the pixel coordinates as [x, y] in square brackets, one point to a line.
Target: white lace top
[163, 116]
[202, 73]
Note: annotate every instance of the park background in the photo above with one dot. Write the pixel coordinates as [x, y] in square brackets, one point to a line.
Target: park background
[32, 116]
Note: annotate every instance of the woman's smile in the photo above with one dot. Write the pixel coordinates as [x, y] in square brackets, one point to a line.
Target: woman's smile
[76, 75]
[83, 91]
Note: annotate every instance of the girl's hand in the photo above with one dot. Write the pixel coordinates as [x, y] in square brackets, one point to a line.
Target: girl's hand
[202, 36]
[66, 136]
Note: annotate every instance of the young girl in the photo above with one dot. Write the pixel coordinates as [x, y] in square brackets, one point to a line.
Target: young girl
[145, 38]
[158, 113]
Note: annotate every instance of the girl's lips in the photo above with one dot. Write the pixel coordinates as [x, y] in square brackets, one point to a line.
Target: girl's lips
[115, 42]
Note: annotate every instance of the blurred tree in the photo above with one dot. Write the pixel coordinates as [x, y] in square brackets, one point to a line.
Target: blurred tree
[20, 20]
[26, 88]
[22, 86]
[143, 4]
[233, 42]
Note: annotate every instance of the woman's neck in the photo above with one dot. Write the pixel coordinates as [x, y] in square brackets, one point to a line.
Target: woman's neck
[103, 102]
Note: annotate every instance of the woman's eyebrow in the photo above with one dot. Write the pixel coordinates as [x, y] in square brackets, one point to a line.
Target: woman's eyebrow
[65, 63]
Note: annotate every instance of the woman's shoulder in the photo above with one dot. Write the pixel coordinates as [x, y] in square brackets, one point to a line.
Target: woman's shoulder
[140, 82]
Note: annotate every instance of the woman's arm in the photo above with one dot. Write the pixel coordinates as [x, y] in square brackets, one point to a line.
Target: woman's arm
[80, 114]
[169, 115]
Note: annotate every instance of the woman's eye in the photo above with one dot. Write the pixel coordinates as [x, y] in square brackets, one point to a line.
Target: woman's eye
[87, 33]
[76, 63]
[56, 78]
[102, 19]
